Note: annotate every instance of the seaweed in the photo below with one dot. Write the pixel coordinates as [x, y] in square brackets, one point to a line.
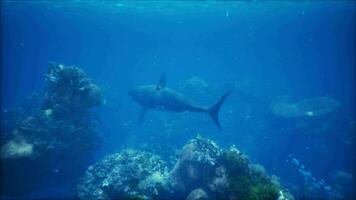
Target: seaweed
[245, 183]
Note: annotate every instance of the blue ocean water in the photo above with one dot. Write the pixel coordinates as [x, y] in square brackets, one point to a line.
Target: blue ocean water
[290, 67]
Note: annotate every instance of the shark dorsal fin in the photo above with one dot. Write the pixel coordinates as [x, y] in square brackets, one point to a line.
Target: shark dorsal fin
[162, 82]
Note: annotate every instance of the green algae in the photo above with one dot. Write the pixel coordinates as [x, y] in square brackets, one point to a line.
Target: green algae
[244, 183]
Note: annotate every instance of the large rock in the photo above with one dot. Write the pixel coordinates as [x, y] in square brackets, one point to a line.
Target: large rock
[70, 88]
[197, 160]
[56, 140]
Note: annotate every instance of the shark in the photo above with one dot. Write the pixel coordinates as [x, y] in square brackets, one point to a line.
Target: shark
[160, 97]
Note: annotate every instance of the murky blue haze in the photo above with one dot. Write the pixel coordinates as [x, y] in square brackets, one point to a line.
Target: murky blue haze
[290, 67]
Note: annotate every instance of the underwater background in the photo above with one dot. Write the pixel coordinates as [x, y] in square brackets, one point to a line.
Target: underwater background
[289, 65]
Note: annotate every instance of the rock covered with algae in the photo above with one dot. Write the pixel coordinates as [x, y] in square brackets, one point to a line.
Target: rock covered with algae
[202, 171]
[56, 139]
[206, 171]
[197, 160]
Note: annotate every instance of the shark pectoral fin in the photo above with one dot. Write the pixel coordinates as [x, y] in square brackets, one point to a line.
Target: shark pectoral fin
[142, 115]
[162, 82]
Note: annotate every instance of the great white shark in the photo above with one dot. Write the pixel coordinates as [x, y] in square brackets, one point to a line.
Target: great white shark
[160, 97]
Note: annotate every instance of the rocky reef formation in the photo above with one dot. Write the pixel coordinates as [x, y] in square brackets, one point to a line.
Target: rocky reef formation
[68, 89]
[129, 174]
[313, 116]
[202, 171]
[312, 107]
[53, 137]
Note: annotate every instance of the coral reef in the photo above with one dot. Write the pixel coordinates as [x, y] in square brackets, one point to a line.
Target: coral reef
[53, 137]
[247, 181]
[203, 171]
[129, 174]
[69, 88]
[197, 160]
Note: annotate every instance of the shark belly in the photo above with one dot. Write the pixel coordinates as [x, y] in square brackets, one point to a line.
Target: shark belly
[173, 105]
[173, 101]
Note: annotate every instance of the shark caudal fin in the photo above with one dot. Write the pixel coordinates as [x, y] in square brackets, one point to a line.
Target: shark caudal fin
[214, 110]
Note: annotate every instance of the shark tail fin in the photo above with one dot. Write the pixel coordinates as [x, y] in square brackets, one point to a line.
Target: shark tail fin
[214, 109]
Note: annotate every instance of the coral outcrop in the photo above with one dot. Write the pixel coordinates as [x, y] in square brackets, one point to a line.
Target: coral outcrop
[129, 174]
[55, 139]
[195, 166]
[69, 88]
[203, 171]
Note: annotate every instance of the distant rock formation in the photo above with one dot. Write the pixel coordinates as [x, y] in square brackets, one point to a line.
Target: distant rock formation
[312, 107]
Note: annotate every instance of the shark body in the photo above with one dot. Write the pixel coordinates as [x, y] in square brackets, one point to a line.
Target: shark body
[160, 97]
